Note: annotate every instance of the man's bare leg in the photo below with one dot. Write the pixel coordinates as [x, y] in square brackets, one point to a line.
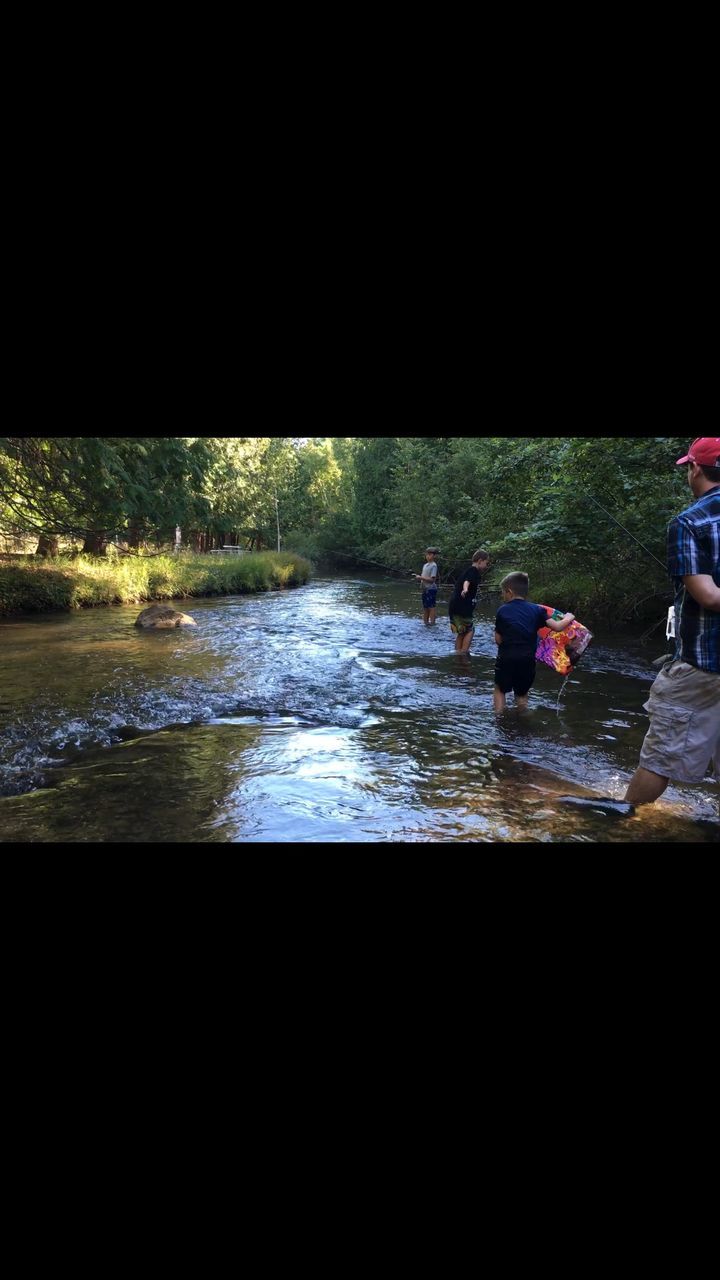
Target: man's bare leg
[521, 701]
[426, 613]
[467, 640]
[432, 616]
[499, 702]
[645, 786]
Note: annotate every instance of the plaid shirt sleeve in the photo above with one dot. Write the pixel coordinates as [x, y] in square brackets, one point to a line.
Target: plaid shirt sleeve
[684, 554]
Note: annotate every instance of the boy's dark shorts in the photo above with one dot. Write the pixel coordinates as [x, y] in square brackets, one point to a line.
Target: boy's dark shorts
[429, 597]
[516, 674]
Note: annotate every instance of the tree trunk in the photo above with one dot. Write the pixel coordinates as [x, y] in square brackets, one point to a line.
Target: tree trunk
[95, 542]
[133, 534]
[47, 545]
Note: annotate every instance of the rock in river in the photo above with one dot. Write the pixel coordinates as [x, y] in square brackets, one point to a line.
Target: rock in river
[159, 617]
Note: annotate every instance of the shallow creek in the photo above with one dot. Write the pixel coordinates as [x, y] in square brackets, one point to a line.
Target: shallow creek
[326, 713]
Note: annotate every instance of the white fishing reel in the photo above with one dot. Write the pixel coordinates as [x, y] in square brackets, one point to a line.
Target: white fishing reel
[670, 624]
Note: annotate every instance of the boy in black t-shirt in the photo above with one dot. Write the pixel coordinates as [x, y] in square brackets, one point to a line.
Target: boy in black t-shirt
[462, 601]
[516, 626]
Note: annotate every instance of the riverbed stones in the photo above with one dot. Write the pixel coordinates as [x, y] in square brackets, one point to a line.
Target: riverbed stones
[161, 617]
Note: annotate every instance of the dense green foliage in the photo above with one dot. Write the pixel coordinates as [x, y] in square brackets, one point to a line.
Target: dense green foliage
[531, 502]
[74, 582]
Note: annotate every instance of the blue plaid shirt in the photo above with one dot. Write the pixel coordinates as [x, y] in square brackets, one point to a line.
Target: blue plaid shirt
[693, 546]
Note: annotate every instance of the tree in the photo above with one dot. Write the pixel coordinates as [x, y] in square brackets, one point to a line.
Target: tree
[98, 487]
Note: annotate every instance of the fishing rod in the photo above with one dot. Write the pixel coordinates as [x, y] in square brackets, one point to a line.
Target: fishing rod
[404, 573]
[351, 555]
[388, 569]
[446, 581]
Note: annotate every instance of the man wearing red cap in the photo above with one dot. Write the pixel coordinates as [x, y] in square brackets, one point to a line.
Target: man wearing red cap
[684, 702]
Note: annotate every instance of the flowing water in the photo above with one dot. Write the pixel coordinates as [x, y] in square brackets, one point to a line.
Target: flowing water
[325, 713]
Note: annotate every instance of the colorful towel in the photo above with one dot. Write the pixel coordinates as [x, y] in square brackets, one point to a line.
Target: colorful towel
[561, 650]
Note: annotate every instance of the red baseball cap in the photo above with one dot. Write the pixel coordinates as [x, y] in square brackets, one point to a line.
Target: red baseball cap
[705, 450]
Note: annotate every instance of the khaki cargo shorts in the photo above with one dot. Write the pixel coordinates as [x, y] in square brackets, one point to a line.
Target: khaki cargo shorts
[684, 733]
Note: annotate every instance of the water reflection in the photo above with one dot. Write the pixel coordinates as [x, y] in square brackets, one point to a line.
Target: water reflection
[326, 713]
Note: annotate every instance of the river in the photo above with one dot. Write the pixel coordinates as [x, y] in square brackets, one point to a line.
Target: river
[325, 713]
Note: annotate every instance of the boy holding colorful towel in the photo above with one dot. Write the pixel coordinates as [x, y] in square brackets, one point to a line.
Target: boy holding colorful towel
[517, 623]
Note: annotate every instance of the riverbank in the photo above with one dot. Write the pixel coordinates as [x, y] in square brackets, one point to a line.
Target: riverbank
[28, 585]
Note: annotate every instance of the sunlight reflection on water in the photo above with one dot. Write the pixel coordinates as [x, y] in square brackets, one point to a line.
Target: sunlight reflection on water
[325, 713]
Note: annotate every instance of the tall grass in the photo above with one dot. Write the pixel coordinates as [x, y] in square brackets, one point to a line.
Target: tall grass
[75, 583]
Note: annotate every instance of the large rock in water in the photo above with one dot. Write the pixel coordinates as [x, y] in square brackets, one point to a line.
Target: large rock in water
[160, 617]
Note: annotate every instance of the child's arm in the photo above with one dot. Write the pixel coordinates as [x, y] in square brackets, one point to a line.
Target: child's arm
[561, 623]
[465, 587]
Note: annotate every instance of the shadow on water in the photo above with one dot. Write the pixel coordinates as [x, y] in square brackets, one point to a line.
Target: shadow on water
[325, 713]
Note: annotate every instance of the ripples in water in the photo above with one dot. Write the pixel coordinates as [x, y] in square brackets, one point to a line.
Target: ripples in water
[328, 713]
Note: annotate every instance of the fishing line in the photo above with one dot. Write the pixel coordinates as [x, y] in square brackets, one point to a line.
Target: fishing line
[647, 550]
[562, 686]
[627, 531]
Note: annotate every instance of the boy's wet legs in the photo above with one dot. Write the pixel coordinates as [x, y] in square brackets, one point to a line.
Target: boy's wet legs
[463, 641]
[499, 703]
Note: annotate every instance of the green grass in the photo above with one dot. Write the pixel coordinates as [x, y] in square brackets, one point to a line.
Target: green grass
[28, 585]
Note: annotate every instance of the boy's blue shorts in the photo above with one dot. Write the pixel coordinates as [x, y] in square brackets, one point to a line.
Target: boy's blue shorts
[429, 596]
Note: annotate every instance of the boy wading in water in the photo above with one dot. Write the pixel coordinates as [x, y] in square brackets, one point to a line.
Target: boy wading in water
[429, 579]
[517, 623]
[462, 601]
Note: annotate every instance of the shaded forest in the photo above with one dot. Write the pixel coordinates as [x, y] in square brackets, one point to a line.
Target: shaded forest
[550, 506]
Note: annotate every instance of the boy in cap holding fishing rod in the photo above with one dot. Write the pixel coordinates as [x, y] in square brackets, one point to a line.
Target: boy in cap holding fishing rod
[684, 702]
[429, 579]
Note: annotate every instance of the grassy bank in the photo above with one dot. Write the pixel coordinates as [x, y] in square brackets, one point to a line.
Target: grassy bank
[28, 585]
